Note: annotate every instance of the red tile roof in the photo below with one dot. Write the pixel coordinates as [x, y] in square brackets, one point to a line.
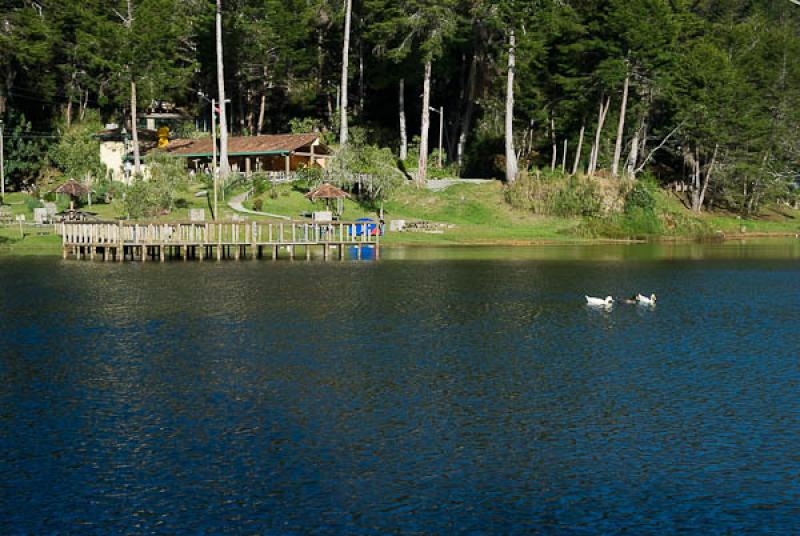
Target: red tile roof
[244, 145]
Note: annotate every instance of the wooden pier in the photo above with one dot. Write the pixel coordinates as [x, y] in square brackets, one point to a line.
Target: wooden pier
[121, 241]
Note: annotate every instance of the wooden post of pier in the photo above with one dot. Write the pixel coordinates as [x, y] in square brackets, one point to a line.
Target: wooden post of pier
[218, 230]
[254, 240]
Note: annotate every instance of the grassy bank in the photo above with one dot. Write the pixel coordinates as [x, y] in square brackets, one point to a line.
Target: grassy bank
[471, 214]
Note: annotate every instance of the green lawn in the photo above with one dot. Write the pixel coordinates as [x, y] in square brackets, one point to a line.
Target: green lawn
[29, 244]
[773, 219]
[291, 202]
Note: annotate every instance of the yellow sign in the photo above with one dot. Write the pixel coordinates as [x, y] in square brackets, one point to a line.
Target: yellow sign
[163, 136]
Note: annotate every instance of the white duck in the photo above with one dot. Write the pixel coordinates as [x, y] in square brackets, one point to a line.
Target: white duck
[644, 300]
[599, 302]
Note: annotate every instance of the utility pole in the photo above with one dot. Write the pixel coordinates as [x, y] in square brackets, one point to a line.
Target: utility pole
[2, 168]
[214, 169]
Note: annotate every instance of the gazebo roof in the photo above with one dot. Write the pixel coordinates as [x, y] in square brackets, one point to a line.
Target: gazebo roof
[327, 191]
[73, 188]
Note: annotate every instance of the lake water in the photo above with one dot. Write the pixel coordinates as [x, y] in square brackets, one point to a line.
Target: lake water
[464, 390]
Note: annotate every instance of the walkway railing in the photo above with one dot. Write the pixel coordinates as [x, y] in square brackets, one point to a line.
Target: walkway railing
[220, 238]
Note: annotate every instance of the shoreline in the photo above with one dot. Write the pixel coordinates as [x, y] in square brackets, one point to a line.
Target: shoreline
[48, 246]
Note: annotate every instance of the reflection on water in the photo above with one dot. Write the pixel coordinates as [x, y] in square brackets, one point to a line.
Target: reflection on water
[440, 394]
[732, 249]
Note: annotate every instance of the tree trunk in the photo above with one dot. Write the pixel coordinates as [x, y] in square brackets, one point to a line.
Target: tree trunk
[511, 156]
[466, 119]
[360, 78]
[707, 178]
[580, 148]
[633, 157]
[345, 53]
[422, 168]
[403, 133]
[241, 109]
[621, 127]
[697, 205]
[554, 159]
[137, 162]
[601, 119]
[262, 107]
[224, 169]
[251, 125]
[564, 158]
[83, 105]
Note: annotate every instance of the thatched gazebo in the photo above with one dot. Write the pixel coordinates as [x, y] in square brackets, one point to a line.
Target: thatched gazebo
[73, 189]
[329, 192]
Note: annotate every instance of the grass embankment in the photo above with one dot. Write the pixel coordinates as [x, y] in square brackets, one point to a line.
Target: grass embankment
[478, 213]
[475, 214]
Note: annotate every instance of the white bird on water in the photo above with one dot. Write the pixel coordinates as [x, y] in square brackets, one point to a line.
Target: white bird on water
[644, 300]
[599, 302]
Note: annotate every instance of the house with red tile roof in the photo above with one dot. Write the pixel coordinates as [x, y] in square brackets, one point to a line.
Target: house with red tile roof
[248, 154]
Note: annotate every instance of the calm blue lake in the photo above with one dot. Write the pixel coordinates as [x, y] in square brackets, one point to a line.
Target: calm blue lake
[436, 391]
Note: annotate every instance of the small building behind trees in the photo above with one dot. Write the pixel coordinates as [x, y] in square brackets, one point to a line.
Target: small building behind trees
[251, 154]
[116, 149]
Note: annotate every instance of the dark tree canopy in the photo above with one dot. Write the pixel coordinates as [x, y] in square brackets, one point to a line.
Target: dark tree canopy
[715, 81]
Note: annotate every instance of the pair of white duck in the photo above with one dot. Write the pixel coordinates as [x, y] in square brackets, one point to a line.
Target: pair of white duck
[609, 301]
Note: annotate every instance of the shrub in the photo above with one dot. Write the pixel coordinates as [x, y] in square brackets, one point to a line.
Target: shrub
[578, 197]
[258, 204]
[32, 203]
[358, 161]
[77, 153]
[260, 184]
[156, 194]
[641, 197]
[554, 194]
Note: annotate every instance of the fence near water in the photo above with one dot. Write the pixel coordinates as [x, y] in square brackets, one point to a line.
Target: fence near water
[122, 241]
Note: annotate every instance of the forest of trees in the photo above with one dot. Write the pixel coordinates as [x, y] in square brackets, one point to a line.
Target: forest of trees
[705, 92]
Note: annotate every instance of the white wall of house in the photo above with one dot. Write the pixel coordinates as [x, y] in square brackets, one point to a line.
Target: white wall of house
[111, 154]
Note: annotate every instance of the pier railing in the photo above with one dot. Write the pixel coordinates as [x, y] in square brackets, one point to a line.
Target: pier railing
[228, 233]
[184, 238]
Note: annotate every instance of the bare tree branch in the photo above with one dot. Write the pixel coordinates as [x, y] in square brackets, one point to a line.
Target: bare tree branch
[657, 148]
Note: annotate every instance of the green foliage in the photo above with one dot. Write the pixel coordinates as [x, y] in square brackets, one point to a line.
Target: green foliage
[720, 75]
[77, 153]
[157, 193]
[32, 203]
[310, 124]
[368, 171]
[641, 197]
[258, 205]
[554, 194]
[25, 150]
[107, 190]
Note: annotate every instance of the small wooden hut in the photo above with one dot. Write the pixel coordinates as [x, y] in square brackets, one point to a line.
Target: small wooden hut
[329, 193]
